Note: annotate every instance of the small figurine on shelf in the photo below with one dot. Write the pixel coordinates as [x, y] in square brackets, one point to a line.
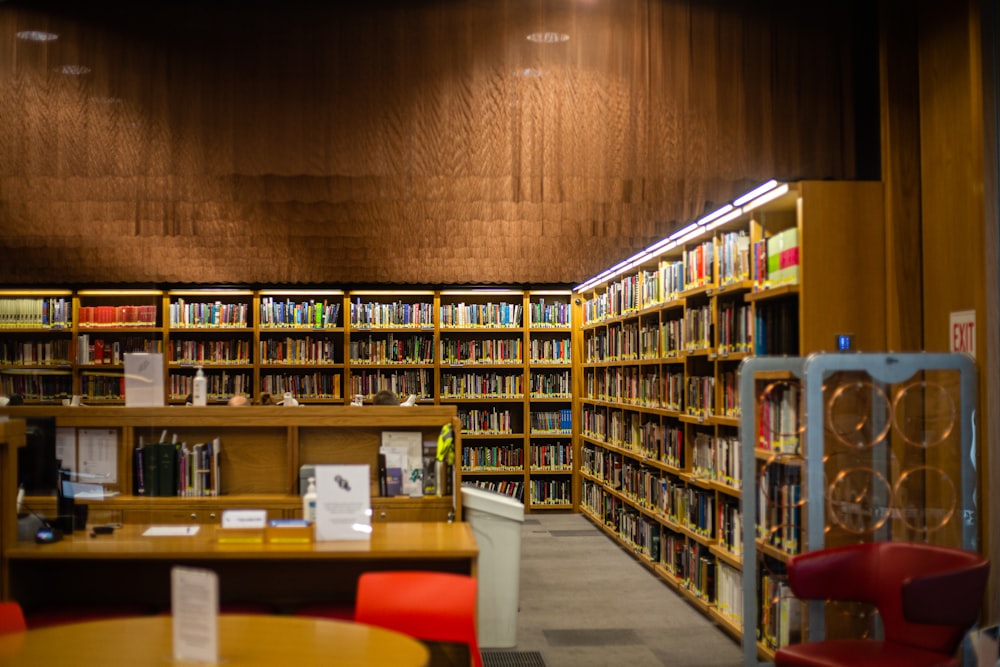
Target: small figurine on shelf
[288, 399]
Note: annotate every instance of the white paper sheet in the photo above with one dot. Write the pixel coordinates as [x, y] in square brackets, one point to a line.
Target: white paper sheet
[194, 595]
[66, 447]
[171, 531]
[99, 455]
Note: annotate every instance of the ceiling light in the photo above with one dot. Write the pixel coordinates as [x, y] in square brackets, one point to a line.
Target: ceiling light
[548, 37]
[37, 36]
[73, 70]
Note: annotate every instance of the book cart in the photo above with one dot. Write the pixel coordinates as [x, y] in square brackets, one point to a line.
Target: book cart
[847, 448]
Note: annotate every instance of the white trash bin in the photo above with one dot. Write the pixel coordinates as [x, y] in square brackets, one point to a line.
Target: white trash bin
[496, 521]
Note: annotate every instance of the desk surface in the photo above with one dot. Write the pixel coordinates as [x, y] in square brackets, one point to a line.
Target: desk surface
[244, 641]
[389, 541]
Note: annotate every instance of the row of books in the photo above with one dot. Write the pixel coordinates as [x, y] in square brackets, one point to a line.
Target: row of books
[512, 488]
[486, 421]
[482, 314]
[306, 350]
[34, 352]
[414, 349]
[110, 351]
[375, 314]
[402, 382]
[476, 384]
[551, 491]
[34, 387]
[505, 456]
[643, 386]
[551, 384]
[35, 313]
[177, 469]
[495, 351]
[289, 313]
[553, 314]
[221, 385]
[735, 328]
[550, 351]
[555, 456]
[214, 314]
[117, 316]
[552, 421]
[233, 351]
[302, 385]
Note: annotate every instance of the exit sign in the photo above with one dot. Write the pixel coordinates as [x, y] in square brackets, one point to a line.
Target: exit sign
[962, 332]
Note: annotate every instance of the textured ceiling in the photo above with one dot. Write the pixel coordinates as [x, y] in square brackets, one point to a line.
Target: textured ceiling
[402, 142]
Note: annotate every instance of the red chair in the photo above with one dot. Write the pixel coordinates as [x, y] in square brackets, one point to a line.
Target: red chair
[432, 606]
[927, 597]
[11, 618]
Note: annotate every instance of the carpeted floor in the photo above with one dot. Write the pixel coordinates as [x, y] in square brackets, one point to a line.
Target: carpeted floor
[584, 602]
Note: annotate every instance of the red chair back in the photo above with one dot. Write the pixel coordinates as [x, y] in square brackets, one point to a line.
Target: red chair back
[927, 596]
[434, 606]
[11, 618]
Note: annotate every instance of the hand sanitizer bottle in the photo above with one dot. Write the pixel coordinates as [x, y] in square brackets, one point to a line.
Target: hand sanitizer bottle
[309, 502]
[199, 393]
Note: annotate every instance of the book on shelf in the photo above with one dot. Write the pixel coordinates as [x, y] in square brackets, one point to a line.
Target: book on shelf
[404, 451]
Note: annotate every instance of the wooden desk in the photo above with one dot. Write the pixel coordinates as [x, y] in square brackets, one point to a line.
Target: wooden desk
[244, 641]
[127, 568]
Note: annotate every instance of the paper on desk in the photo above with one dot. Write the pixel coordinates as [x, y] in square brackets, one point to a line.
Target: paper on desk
[194, 603]
[170, 531]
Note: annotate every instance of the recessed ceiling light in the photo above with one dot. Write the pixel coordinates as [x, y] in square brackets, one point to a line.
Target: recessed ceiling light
[37, 36]
[528, 72]
[73, 70]
[548, 37]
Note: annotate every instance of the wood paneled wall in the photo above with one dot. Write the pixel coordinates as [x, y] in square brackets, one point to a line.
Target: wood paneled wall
[401, 142]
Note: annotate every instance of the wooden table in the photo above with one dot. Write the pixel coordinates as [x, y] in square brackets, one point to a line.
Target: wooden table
[127, 568]
[244, 641]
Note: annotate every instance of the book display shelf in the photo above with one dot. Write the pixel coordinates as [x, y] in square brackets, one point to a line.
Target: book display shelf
[259, 451]
[503, 357]
[778, 271]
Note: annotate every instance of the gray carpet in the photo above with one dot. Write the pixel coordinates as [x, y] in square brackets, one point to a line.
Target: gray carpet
[584, 602]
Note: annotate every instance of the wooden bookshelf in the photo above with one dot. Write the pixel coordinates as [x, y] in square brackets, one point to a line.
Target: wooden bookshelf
[660, 349]
[262, 450]
[493, 353]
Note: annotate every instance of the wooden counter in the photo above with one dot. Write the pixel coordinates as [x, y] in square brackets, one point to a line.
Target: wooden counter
[128, 568]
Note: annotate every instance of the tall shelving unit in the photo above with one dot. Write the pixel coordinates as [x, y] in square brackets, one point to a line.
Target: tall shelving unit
[36, 343]
[778, 271]
[504, 357]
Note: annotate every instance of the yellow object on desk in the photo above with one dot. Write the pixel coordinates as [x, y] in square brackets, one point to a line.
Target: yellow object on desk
[244, 641]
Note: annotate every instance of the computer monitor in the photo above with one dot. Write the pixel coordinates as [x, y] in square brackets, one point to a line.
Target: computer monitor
[37, 465]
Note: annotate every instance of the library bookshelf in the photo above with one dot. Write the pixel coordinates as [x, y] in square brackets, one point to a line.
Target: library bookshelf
[782, 271]
[503, 357]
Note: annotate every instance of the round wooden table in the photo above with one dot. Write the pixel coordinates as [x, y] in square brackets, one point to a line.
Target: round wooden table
[244, 641]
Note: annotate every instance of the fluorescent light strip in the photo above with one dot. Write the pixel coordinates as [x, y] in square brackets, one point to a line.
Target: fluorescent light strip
[756, 192]
[763, 199]
[669, 246]
[715, 214]
[682, 232]
[732, 215]
[691, 236]
[658, 246]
